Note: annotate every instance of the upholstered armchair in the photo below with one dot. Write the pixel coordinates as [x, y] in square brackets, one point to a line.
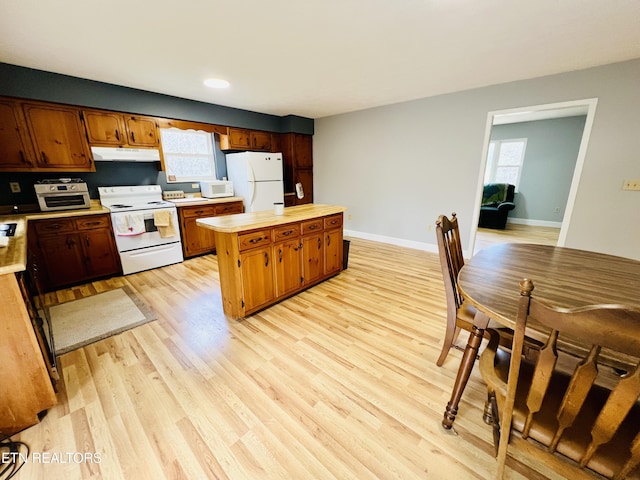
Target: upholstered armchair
[497, 201]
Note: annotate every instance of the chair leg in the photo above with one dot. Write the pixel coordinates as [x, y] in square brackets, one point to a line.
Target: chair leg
[494, 418]
[449, 337]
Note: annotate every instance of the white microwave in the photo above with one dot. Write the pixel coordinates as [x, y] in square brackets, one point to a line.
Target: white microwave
[216, 188]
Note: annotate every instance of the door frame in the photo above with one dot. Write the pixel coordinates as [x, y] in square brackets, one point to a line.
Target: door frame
[591, 104]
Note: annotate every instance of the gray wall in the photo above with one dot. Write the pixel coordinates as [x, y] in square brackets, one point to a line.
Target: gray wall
[550, 159]
[398, 167]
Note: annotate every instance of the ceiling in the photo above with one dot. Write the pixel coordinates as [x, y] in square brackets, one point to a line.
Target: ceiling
[316, 58]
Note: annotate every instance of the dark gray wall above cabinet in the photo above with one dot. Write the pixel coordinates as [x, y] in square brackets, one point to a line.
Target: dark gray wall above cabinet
[16, 81]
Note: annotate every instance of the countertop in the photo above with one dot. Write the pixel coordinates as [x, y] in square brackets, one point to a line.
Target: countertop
[249, 221]
[187, 202]
[13, 257]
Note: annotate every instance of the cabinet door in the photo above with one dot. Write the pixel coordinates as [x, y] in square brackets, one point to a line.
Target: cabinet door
[142, 131]
[101, 257]
[288, 266]
[303, 147]
[333, 251]
[312, 258]
[105, 128]
[196, 239]
[261, 141]
[62, 258]
[58, 137]
[236, 139]
[15, 146]
[258, 285]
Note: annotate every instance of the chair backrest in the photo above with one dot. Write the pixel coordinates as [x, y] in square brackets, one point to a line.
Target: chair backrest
[587, 415]
[497, 193]
[451, 259]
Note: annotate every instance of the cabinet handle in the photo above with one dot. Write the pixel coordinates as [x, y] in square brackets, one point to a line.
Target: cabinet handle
[266, 259]
[287, 233]
[133, 137]
[86, 241]
[44, 157]
[280, 254]
[319, 244]
[117, 135]
[328, 240]
[313, 227]
[23, 159]
[255, 240]
[199, 212]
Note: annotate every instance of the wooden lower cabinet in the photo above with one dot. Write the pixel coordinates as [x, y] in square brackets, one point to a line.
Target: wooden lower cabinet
[73, 250]
[259, 267]
[197, 240]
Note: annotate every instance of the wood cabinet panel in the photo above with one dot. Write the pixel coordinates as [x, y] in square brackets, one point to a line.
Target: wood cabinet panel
[142, 131]
[288, 266]
[297, 158]
[257, 273]
[73, 250]
[58, 137]
[105, 128]
[197, 240]
[244, 139]
[16, 151]
[259, 267]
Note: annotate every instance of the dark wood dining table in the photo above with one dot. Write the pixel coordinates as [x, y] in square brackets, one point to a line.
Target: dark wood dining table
[562, 276]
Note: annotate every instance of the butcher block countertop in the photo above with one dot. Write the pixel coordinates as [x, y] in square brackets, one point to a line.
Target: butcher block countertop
[13, 257]
[188, 202]
[250, 221]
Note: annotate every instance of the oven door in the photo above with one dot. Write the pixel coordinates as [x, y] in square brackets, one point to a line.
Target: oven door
[137, 229]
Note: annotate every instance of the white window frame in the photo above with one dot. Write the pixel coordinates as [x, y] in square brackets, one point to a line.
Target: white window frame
[210, 156]
[495, 147]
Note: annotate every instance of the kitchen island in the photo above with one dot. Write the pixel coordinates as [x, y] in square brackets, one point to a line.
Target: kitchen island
[264, 258]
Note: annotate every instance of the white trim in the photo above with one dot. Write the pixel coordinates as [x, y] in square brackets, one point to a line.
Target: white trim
[591, 103]
[534, 223]
[427, 247]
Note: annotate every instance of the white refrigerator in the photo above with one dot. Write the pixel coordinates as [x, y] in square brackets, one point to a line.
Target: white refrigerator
[257, 178]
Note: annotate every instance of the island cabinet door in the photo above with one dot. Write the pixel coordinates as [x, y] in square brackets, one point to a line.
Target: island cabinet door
[313, 258]
[333, 251]
[288, 266]
[258, 282]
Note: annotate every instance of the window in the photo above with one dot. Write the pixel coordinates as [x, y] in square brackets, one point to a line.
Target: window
[188, 155]
[504, 161]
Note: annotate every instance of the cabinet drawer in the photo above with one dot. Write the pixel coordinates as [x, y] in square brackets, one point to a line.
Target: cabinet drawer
[286, 231]
[61, 225]
[312, 226]
[199, 212]
[95, 221]
[229, 208]
[254, 239]
[333, 221]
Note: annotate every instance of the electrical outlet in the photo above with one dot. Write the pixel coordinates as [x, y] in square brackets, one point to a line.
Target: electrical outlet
[556, 210]
[195, 185]
[633, 184]
[15, 187]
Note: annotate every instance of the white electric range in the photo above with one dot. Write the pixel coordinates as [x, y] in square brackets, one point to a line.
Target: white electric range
[145, 226]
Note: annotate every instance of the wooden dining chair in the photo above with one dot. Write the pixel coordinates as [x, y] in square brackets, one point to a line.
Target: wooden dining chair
[459, 314]
[575, 416]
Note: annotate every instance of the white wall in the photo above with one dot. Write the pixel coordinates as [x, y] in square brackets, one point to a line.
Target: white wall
[398, 167]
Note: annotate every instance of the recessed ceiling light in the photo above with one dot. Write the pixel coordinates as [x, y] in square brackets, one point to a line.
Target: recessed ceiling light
[216, 83]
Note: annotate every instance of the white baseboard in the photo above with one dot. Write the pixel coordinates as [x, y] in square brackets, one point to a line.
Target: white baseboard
[427, 247]
[534, 223]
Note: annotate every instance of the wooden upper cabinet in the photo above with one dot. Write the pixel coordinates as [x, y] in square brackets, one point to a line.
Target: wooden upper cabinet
[243, 139]
[105, 128]
[58, 137]
[142, 131]
[115, 129]
[16, 152]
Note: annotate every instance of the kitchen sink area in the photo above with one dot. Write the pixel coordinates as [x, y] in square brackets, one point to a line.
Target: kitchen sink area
[7, 229]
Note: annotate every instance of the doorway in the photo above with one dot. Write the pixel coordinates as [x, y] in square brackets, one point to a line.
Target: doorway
[527, 114]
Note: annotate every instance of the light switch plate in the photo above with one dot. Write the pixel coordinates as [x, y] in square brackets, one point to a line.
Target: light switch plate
[15, 187]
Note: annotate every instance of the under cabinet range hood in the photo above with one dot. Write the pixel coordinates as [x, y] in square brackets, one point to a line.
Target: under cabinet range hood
[113, 154]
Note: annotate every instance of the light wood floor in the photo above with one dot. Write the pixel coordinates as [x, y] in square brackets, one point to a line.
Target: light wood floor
[338, 382]
[516, 233]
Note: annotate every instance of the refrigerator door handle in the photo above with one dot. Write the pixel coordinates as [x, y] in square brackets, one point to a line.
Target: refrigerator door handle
[252, 182]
